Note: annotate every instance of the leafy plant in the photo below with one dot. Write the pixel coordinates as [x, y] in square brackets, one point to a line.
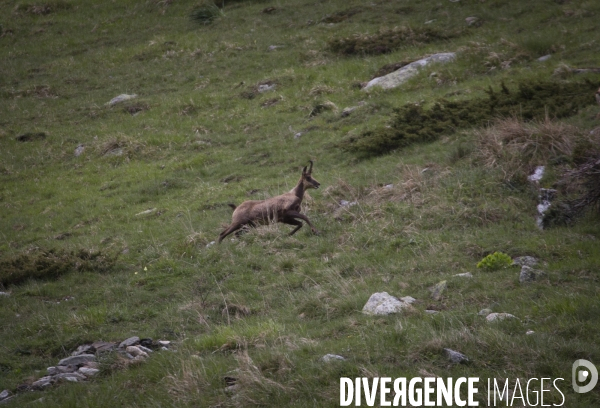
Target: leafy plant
[495, 261]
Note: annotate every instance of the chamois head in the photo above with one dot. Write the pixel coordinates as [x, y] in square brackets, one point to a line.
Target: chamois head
[307, 179]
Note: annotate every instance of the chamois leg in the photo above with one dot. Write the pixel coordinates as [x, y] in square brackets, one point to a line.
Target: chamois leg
[229, 230]
[296, 214]
[292, 221]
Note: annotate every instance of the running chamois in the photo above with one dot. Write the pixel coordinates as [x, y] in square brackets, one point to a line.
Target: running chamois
[282, 208]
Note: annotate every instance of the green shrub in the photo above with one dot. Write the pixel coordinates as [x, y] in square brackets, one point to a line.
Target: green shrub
[416, 124]
[495, 261]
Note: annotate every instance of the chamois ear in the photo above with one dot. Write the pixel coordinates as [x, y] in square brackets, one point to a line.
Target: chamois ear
[304, 170]
[310, 168]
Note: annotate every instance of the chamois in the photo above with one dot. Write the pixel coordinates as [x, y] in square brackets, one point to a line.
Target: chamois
[282, 208]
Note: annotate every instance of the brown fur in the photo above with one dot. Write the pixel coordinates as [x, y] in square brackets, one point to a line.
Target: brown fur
[282, 208]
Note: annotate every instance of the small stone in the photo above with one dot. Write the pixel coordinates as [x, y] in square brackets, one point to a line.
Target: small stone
[382, 303]
[83, 350]
[145, 349]
[528, 274]
[4, 395]
[129, 342]
[331, 357]
[91, 364]
[79, 150]
[544, 58]
[3, 293]
[437, 290]
[121, 98]
[146, 342]
[211, 243]
[136, 351]
[140, 358]
[77, 360]
[163, 348]
[61, 369]
[455, 356]
[345, 203]
[347, 111]
[484, 312]
[129, 356]
[42, 383]
[525, 261]
[103, 346]
[408, 299]
[431, 312]
[67, 376]
[298, 135]
[88, 372]
[70, 378]
[164, 342]
[266, 88]
[529, 332]
[492, 317]
[464, 275]
[471, 20]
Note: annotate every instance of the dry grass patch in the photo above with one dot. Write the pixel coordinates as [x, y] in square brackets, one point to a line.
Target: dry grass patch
[517, 147]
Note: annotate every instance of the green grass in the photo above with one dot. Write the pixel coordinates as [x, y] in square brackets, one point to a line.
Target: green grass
[266, 304]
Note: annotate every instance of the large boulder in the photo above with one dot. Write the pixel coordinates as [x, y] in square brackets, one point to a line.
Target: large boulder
[398, 77]
[381, 303]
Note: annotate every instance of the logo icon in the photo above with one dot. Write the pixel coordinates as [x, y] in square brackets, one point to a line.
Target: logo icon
[584, 371]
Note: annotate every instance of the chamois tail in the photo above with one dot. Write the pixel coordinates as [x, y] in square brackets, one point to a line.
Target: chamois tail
[233, 206]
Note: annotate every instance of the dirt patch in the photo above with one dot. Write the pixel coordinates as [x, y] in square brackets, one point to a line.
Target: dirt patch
[50, 264]
[31, 137]
[416, 124]
[388, 40]
[341, 15]
[43, 9]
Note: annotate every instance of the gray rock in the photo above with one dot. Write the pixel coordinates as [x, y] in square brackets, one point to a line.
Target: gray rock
[408, 299]
[464, 275]
[129, 342]
[471, 20]
[83, 350]
[79, 151]
[398, 77]
[42, 383]
[437, 290]
[484, 312]
[455, 356]
[4, 293]
[493, 317]
[347, 111]
[103, 346]
[266, 88]
[145, 349]
[331, 357]
[382, 303]
[88, 372]
[136, 351]
[67, 376]
[544, 58]
[525, 261]
[121, 98]
[129, 356]
[528, 274]
[431, 312]
[61, 369]
[4, 395]
[164, 343]
[529, 332]
[77, 360]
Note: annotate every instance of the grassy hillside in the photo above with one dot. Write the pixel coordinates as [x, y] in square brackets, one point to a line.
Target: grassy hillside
[116, 242]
